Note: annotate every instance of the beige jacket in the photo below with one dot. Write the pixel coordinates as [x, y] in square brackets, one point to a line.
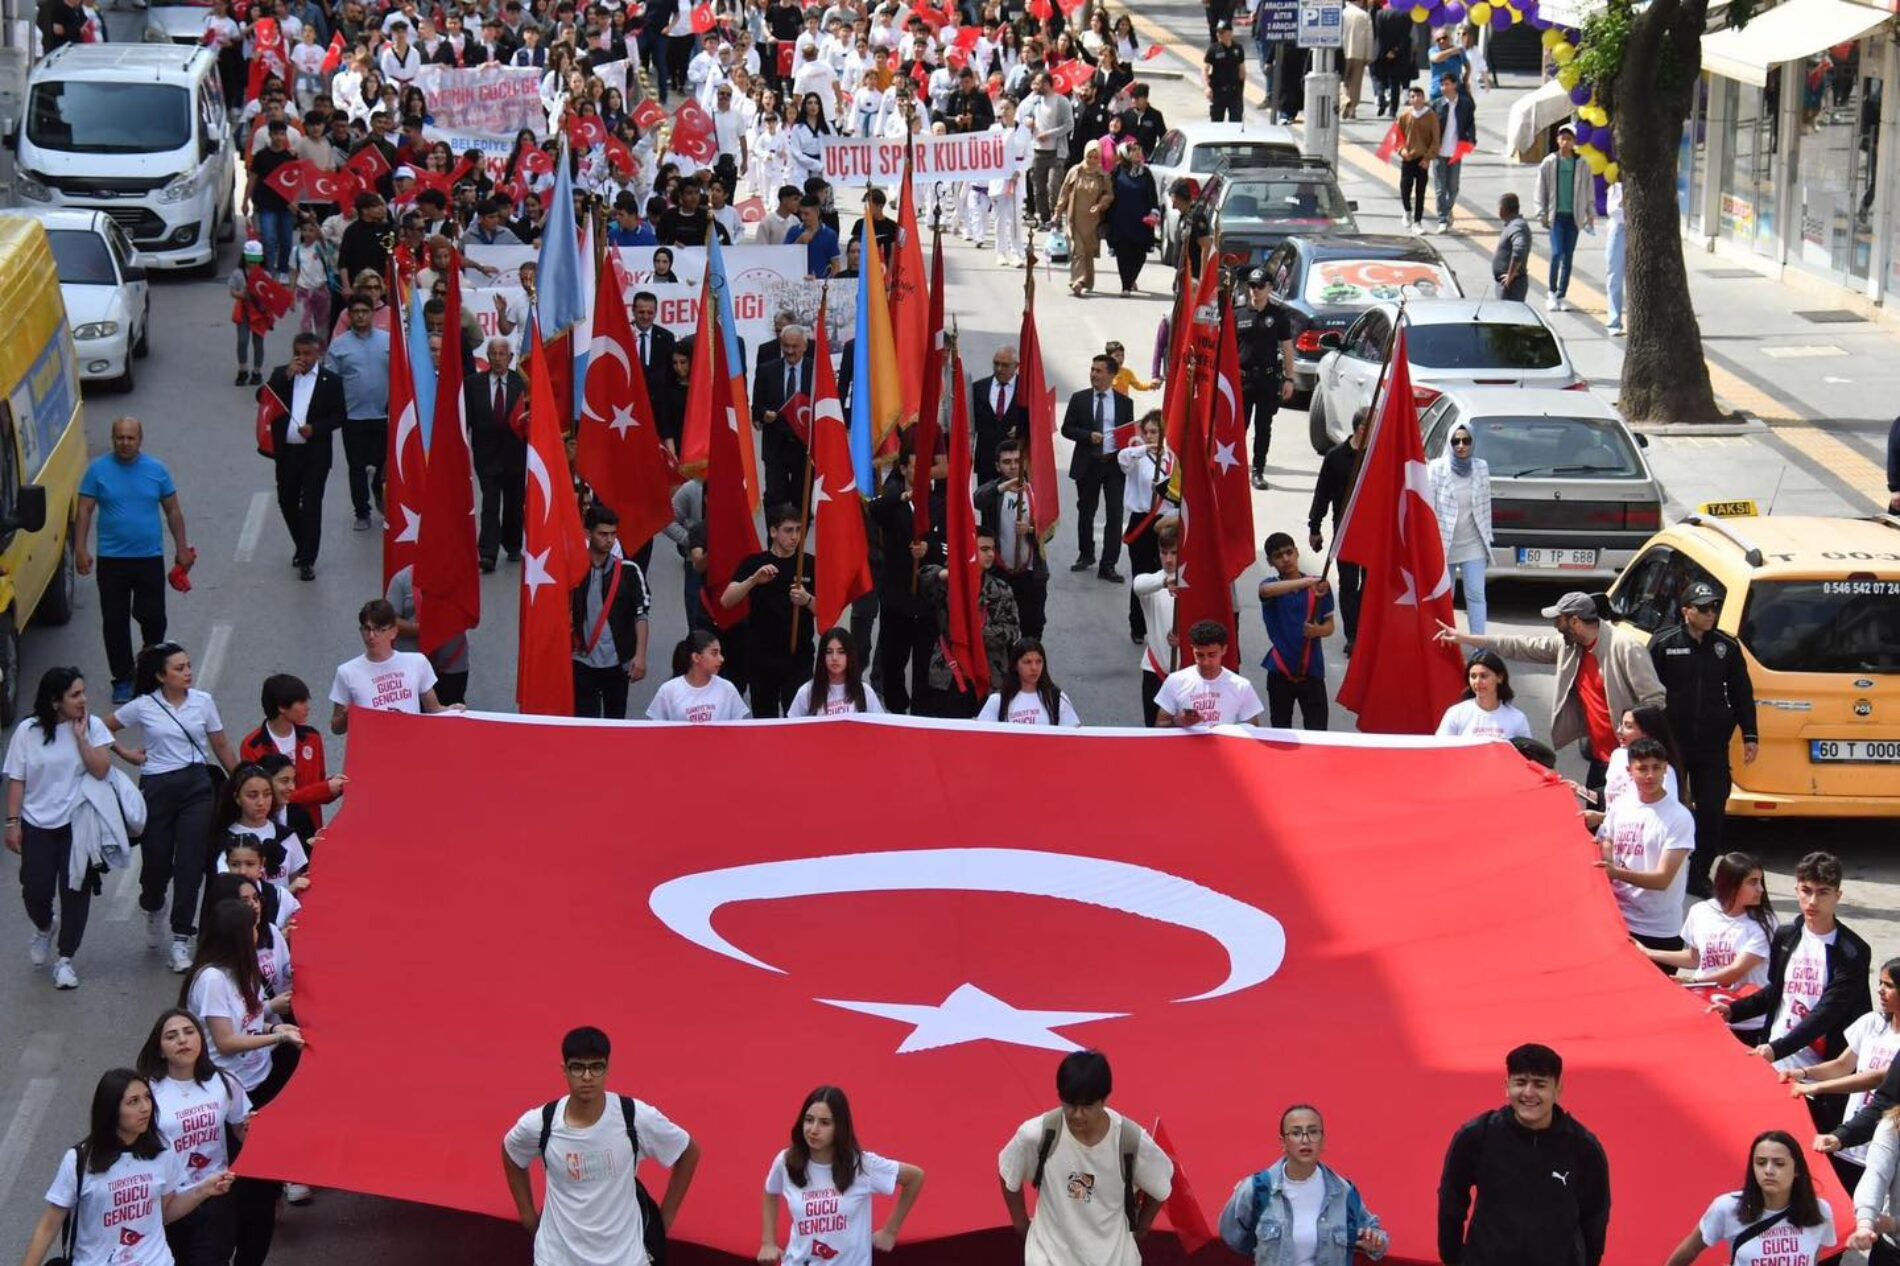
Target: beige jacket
[1418, 135]
[1629, 678]
[1356, 35]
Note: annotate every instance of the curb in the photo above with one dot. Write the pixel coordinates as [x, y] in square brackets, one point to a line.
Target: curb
[1747, 424]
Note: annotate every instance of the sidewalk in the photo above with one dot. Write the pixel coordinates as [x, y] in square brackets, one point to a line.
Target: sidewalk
[1824, 391]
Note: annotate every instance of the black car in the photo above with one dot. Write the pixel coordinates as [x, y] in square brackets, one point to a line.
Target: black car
[1326, 282]
[1252, 207]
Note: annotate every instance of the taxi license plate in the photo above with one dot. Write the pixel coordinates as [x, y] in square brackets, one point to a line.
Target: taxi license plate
[1854, 751]
[1557, 559]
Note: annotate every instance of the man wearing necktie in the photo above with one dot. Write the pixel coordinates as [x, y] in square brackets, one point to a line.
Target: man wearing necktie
[785, 430]
[1098, 422]
[997, 412]
[500, 452]
[652, 342]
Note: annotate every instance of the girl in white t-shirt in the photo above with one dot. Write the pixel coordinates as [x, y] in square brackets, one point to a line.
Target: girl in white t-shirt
[273, 940]
[245, 811]
[696, 694]
[121, 1184]
[1774, 1218]
[827, 1182]
[1028, 695]
[226, 990]
[1725, 939]
[1872, 1042]
[201, 1114]
[1486, 711]
[838, 681]
[1635, 723]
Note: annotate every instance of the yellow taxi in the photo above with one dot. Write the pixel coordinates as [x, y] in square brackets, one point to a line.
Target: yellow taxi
[1815, 603]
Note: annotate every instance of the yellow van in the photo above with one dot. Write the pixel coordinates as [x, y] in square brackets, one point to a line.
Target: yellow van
[42, 447]
[1815, 603]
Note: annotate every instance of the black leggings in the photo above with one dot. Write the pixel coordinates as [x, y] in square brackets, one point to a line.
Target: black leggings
[207, 1235]
[44, 855]
[254, 1200]
[174, 852]
[1128, 261]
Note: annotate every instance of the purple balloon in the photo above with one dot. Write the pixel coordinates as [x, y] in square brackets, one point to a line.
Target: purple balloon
[1500, 18]
[1454, 13]
[1538, 23]
[1437, 17]
[1606, 141]
[1581, 94]
[1572, 34]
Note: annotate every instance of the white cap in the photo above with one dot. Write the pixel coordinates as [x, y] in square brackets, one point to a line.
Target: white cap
[253, 247]
[405, 172]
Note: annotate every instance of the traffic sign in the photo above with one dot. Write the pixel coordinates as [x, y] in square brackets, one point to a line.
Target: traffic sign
[1276, 20]
[1321, 23]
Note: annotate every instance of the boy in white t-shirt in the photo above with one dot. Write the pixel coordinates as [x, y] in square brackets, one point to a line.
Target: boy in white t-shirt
[1647, 839]
[1208, 693]
[1081, 1158]
[382, 678]
[585, 1142]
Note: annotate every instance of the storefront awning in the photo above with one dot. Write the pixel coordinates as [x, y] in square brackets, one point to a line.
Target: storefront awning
[1788, 32]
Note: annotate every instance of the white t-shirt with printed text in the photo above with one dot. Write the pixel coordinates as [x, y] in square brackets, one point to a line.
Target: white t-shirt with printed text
[1227, 700]
[1639, 834]
[1466, 718]
[397, 684]
[829, 1226]
[837, 702]
[1782, 1244]
[1874, 1044]
[119, 1217]
[215, 995]
[194, 1119]
[590, 1216]
[678, 699]
[1026, 708]
[1801, 990]
[1080, 1214]
[1718, 939]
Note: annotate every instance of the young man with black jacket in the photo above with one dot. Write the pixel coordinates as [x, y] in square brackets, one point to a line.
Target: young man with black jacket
[610, 609]
[1540, 1180]
[1817, 984]
[1337, 471]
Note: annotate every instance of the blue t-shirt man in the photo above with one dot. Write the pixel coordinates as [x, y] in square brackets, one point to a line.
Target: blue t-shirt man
[1290, 601]
[821, 247]
[1292, 654]
[129, 493]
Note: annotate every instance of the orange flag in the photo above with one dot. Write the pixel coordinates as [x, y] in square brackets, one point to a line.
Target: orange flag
[910, 306]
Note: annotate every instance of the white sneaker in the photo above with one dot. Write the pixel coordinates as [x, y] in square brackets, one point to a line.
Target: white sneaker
[1553, 304]
[41, 948]
[1444, 227]
[181, 954]
[154, 928]
[296, 1193]
[1563, 304]
[64, 977]
[1414, 227]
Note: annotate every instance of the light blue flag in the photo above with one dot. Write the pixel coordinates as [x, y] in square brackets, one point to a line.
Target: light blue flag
[421, 368]
[863, 447]
[562, 298]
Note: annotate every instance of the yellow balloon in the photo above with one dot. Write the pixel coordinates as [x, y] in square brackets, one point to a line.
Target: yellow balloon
[1480, 13]
[1563, 54]
[1599, 162]
[1516, 17]
[1421, 16]
[1553, 37]
[1569, 76]
[1612, 172]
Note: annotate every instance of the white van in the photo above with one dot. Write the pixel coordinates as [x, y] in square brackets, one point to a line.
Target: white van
[139, 132]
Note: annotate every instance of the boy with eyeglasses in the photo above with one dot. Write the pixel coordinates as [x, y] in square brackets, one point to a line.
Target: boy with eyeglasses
[590, 1147]
[382, 678]
[1708, 696]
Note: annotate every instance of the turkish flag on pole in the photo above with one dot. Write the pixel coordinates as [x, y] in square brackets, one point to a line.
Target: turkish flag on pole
[270, 300]
[1194, 327]
[267, 57]
[963, 640]
[844, 557]
[269, 409]
[1232, 491]
[702, 18]
[732, 531]
[618, 448]
[405, 463]
[703, 391]
[927, 437]
[333, 56]
[331, 188]
[910, 306]
[1032, 380]
[1184, 1212]
[648, 115]
[448, 576]
[369, 165]
[554, 555]
[1401, 680]
[1203, 590]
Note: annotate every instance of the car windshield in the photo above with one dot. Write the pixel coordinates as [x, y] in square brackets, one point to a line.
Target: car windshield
[1209, 157]
[82, 258]
[89, 117]
[1824, 626]
[1287, 200]
[1587, 448]
[1469, 345]
[1362, 282]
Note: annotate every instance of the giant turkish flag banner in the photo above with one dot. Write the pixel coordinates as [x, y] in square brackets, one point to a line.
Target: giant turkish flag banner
[1233, 948]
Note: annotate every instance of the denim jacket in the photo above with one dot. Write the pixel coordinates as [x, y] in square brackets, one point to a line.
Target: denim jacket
[1267, 1232]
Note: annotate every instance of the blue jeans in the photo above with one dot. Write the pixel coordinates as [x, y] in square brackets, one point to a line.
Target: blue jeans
[1472, 574]
[1563, 245]
[653, 50]
[1445, 174]
[1615, 253]
[275, 229]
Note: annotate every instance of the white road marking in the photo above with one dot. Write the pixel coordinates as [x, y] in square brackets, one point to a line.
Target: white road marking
[253, 526]
[211, 663]
[15, 1144]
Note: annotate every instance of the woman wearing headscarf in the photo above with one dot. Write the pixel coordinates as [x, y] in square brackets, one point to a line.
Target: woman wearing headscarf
[1082, 205]
[1133, 214]
[1461, 497]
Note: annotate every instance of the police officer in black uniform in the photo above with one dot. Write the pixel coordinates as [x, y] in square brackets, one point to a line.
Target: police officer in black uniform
[1708, 695]
[1223, 73]
[1265, 336]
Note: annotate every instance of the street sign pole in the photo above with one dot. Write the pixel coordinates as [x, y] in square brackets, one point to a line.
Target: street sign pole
[1322, 30]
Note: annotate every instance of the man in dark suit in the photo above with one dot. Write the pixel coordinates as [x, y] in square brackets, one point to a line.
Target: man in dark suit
[501, 455]
[778, 383]
[313, 411]
[997, 412]
[652, 342]
[1098, 420]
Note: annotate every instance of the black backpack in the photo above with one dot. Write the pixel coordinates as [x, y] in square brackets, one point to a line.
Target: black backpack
[1130, 1142]
[653, 1226]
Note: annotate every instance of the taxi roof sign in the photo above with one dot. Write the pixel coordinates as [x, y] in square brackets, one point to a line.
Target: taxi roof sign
[1729, 509]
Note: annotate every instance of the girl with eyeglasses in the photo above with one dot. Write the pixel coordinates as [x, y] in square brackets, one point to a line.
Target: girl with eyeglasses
[184, 735]
[1461, 498]
[1298, 1210]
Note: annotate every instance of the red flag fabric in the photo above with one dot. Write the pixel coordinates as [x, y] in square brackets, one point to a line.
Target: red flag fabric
[786, 52]
[288, 180]
[703, 392]
[620, 156]
[618, 448]
[963, 640]
[927, 438]
[1194, 327]
[1401, 681]
[333, 56]
[1151, 52]
[1460, 150]
[1221, 917]
[843, 564]
[1045, 489]
[536, 162]
[732, 530]
[1390, 145]
[751, 210]
[648, 115]
[1233, 492]
[586, 131]
[368, 164]
[270, 299]
[956, 58]
[331, 188]
[448, 576]
[269, 409]
[693, 133]
[910, 306]
[1041, 10]
[1184, 1212]
[267, 57]
[1071, 75]
[554, 556]
[1203, 590]
[702, 19]
[404, 465]
[967, 37]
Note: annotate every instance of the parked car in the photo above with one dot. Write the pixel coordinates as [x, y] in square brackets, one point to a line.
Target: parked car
[1572, 495]
[1450, 343]
[108, 303]
[175, 22]
[1325, 282]
[1251, 207]
[1197, 150]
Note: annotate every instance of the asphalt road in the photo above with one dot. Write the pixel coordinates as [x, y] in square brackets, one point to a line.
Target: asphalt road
[248, 615]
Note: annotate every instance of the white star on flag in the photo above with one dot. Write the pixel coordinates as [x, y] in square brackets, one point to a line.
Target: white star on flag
[818, 494]
[971, 1015]
[623, 422]
[411, 532]
[1224, 457]
[535, 573]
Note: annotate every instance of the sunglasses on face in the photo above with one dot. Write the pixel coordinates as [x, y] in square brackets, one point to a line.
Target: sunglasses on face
[1461, 441]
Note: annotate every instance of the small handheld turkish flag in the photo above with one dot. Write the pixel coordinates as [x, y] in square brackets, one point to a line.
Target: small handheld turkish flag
[368, 164]
[702, 19]
[797, 414]
[269, 410]
[269, 299]
[333, 57]
[752, 210]
[335, 188]
[536, 162]
[1151, 52]
[785, 54]
[648, 115]
[1071, 75]
[287, 181]
[693, 133]
[587, 131]
[1390, 145]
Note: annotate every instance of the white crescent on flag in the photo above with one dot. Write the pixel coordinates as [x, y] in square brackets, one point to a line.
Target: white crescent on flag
[404, 425]
[538, 471]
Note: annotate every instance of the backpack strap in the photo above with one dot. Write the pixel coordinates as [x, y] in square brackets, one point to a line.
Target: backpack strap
[633, 1137]
[69, 1225]
[626, 1112]
[1754, 1232]
[1131, 1195]
[547, 1127]
[1051, 1131]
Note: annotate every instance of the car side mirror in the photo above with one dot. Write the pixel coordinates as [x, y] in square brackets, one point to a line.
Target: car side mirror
[29, 511]
[11, 140]
[1332, 340]
[134, 273]
[1352, 204]
[1642, 441]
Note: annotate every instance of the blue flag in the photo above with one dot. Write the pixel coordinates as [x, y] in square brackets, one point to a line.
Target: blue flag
[562, 297]
[863, 446]
[421, 368]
